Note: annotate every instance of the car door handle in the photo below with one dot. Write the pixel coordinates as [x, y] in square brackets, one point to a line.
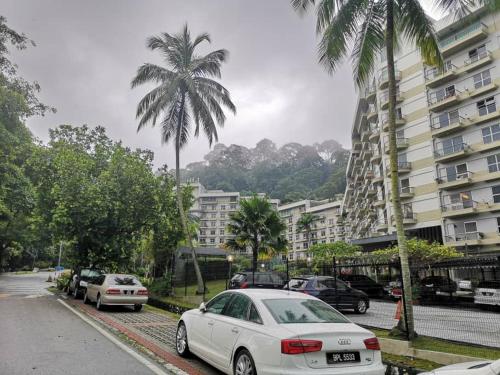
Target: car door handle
[235, 330]
[210, 323]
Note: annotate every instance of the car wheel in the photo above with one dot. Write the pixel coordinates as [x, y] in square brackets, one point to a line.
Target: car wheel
[137, 308]
[99, 305]
[69, 292]
[181, 340]
[86, 298]
[75, 293]
[244, 364]
[361, 307]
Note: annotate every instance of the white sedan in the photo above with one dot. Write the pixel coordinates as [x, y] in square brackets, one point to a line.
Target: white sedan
[271, 332]
[469, 368]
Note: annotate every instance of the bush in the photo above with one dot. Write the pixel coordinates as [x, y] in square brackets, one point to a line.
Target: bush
[63, 280]
[160, 287]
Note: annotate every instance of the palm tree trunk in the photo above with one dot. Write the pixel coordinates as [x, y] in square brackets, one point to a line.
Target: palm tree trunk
[180, 206]
[393, 158]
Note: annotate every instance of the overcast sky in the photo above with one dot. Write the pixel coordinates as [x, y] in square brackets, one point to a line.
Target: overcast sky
[88, 51]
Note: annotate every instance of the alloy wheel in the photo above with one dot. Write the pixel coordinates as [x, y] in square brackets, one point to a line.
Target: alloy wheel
[244, 365]
[361, 306]
[181, 339]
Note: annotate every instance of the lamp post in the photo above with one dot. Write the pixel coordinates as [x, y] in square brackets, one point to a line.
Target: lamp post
[230, 260]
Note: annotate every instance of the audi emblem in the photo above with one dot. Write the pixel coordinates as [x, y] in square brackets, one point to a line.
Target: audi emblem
[344, 341]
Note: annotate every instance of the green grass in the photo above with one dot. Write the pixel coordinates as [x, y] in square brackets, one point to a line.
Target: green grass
[188, 295]
[53, 289]
[156, 310]
[438, 345]
[421, 364]
[23, 272]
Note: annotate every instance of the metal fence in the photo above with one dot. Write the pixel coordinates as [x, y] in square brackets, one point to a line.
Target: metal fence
[452, 299]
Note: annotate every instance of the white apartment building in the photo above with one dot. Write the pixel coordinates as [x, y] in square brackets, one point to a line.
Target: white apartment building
[213, 208]
[448, 132]
[328, 226]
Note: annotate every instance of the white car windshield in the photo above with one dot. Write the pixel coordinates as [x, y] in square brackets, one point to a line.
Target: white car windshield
[289, 311]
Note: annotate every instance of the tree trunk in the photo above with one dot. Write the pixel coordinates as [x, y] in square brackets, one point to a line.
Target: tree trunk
[393, 156]
[180, 206]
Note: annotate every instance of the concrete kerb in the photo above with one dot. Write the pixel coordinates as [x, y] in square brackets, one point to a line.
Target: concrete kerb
[399, 347]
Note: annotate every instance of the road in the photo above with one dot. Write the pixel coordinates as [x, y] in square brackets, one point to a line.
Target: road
[465, 325]
[40, 336]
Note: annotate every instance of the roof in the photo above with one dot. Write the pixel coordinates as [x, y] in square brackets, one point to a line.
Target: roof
[270, 293]
[209, 251]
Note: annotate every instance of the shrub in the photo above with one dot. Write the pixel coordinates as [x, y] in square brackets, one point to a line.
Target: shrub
[160, 287]
[63, 280]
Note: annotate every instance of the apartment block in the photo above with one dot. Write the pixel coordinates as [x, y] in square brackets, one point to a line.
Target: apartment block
[213, 208]
[448, 140]
[327, 227]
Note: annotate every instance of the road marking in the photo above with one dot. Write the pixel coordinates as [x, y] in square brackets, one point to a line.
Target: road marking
[155, 369]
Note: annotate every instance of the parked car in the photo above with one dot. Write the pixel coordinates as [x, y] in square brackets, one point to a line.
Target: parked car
[340, 296]
[468, 368]
[487, 294]
[267, 280]
[394, 289]
[116, 289]
[78, 283]
[256, 331]
[365, 284]
[433, 286]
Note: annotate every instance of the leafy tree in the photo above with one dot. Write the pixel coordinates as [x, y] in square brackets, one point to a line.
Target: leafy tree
[324, 252]
[305, 224]
[185, 93]
[374, 26]
[258, 226]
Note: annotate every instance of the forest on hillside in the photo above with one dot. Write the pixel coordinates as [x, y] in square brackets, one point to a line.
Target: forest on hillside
[290, 172]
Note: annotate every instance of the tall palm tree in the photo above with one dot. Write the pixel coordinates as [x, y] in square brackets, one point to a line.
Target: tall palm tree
[365, 28]
[256, 225]
[305, 223]
[462, 7]
[185, 92]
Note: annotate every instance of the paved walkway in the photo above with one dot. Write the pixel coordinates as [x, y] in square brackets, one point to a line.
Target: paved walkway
[154, 331]
[25, 285]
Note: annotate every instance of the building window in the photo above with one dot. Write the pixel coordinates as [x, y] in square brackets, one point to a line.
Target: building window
[222, 207]
[493, 163]
[212, 232]
[498, 224]
[305, 245]
[221, 232]
[213, 215]
[323, 233]
[214, 207]
[202, 232]
[204, 223]
[470, 227]
[477, 53]
[212, 240]
[213, 223]
[495, 191]
[202, 240]
[330, 222]
[222, 223]
[233, 207]
[290, 229]
[290, 238]
[297, 236]
[233, 199]
[461, 200]
[290, 221]
[222, 215]
[491, 133]
[221, 240]
[204, 207]
[481, 79]
[456, 172]
[486, 106]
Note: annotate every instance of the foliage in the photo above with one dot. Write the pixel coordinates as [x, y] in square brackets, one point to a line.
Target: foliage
[289, 173]
[258, 226]
[160, 287]
[324, 252]
[419, 251]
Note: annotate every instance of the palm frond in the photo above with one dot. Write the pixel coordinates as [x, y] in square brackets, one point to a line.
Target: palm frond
[302, 6]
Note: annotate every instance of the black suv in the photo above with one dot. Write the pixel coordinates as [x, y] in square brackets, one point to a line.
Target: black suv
[337, 294]
[267, 280]
[434, 286]
[78, 283]
[365, 284]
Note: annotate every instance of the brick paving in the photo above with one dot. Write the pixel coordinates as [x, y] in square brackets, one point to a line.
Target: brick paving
[154, 331]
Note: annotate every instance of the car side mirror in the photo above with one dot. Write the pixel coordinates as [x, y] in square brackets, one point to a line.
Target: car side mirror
[203, 308]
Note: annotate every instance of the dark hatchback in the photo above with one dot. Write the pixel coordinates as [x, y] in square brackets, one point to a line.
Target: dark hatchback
[365, 284]
[434, 286]
[337, 294]
[266, 280]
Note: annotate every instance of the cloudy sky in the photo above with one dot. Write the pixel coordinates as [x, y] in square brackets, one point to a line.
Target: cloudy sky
[88, 51]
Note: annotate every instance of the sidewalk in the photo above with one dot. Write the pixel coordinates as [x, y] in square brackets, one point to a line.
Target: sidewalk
[154, 331]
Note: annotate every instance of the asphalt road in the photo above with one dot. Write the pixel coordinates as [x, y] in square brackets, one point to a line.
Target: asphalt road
[39, 336]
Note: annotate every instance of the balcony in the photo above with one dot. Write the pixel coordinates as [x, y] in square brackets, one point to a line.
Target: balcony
[409, 218]
[457, 209]
[488, 114]
[376, 158]
[406, 192]
[451, 152]
[365, 135]
[435, 77]
[465, 37]
[401, 144]
[400, 121]
[448, 123]
[384, 100]
[484, 147]
[371, 93]
[383, 79]
[372, 113]
[454, 181]
[442, 99]
[403, 167]
[381, 225]
[374, 134]
[463, 239]
[371, 191]
[356, 144]
[377, 178]
[477, 61]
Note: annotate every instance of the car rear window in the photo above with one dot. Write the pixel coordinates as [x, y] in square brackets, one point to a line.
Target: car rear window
[298, 310]
[123, 280]
[238, 277]
[297, 283]
[493, 284]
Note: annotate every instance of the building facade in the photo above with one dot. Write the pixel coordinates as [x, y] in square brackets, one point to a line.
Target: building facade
[327, 227]
[448, 140]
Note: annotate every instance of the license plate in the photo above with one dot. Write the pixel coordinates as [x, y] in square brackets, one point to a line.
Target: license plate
[342, 357]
